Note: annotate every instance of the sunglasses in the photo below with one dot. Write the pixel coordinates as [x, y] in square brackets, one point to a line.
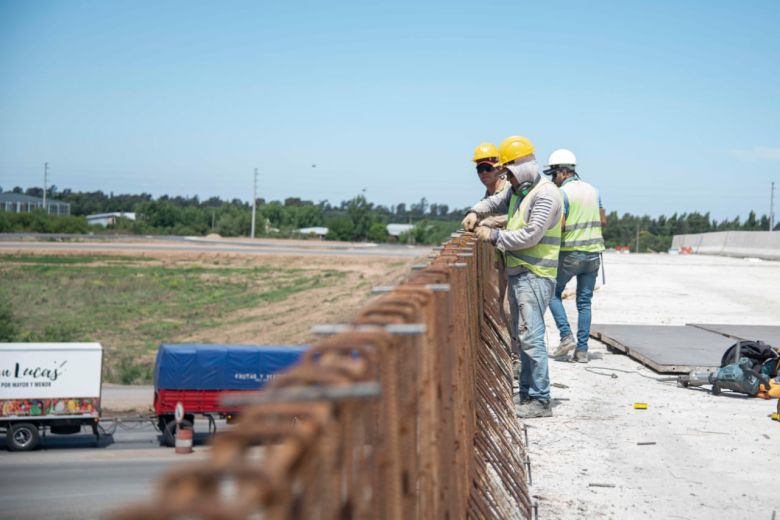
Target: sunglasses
[485, 168]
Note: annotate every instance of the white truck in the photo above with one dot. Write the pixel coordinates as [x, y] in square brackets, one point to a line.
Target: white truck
[54, 386]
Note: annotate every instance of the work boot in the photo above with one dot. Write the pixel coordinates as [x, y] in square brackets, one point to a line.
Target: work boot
[533, 409]
[520, 399]
[567, 345]
[580, 356]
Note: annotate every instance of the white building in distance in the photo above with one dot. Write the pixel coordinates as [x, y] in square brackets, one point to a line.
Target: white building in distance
[108, 219]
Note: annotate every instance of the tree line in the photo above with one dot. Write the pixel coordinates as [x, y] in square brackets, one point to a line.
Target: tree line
[356, 219]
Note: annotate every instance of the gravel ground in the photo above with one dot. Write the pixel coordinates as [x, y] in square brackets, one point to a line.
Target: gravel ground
[711, 457]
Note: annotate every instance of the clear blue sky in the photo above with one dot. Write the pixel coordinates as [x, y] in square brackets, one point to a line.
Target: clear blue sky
[670, 106]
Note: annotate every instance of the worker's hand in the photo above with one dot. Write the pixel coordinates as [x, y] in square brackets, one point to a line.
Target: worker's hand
[494, 222]
[470, 221]
[483, 233]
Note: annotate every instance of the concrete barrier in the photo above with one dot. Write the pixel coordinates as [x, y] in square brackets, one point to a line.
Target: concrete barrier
[757, 244]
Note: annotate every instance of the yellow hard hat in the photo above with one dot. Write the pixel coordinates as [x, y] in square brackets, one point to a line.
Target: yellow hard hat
[513, 148]
[485, 151]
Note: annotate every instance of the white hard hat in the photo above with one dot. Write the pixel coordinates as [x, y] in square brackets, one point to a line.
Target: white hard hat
[562, 157]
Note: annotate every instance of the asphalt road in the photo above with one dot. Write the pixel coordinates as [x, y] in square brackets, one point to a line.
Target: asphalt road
[70, 478]
[204, 245]
[75, 490]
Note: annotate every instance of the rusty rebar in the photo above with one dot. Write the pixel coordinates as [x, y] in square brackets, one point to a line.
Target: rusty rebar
[375, 424]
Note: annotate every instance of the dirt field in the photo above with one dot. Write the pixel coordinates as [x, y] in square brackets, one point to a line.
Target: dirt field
[132, 302]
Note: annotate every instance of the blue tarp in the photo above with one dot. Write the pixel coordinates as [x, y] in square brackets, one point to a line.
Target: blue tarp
[221, 367]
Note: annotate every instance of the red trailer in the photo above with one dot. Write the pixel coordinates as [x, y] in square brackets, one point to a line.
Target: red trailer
[198, 376]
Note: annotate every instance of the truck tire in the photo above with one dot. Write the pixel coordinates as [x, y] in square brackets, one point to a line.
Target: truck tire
[22, 437]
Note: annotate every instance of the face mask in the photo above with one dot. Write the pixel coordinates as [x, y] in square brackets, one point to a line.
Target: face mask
[525, 172]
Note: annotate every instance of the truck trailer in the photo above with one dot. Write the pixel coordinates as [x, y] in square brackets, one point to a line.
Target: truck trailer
[198, 376]
[54, 386]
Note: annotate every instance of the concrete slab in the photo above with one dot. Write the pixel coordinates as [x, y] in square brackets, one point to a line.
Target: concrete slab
[691, 428]
[769, 334]
[666, 349]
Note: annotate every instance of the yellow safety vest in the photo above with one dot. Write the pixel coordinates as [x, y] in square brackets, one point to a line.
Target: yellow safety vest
[541, 259]
[583, 223]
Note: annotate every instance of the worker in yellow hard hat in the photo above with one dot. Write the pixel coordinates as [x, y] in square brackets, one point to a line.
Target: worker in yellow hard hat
[530, 243]
[488, 168]
[491, 175]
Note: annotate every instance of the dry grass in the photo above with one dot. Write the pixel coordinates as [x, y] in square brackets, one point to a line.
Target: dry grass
[131, 304]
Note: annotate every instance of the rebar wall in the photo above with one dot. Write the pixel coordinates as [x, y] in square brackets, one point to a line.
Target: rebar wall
[404, 413]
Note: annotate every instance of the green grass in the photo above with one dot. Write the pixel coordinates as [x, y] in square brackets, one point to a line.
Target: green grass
[70, 259]
[130, 305]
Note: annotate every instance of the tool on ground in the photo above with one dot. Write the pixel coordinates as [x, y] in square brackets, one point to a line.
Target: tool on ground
[640, 406]
[746, 367]
[737, 377]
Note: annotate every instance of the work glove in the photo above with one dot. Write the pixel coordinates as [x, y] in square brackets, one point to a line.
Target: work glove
[495, 222]
[470, 221]
[484, 233]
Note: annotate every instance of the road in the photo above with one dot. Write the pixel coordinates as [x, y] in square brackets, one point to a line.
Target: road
[75, 489]
[91, 244]
[69, 478]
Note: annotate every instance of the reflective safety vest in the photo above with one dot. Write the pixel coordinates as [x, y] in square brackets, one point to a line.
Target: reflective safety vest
[583, 223]
[541, 259]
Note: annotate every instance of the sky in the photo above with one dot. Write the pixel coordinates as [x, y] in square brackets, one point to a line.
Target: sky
[669, 106]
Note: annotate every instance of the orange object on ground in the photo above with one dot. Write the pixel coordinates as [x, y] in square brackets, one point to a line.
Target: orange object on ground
[774, 390]
[184, 440]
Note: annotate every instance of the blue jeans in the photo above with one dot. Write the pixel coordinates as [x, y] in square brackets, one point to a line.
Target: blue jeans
[529, 296]
[585, 266]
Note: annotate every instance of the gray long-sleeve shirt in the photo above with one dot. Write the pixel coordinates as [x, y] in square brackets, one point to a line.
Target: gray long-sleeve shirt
[544, 211]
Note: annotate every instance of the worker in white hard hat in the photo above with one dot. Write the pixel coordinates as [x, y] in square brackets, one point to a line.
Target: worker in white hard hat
[530, 243]
[580, 255]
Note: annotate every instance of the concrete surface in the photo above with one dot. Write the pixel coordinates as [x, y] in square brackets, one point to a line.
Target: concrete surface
[713, 457]
[664, 348]
[767, 333]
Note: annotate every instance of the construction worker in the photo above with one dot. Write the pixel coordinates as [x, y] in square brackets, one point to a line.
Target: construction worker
[581, 247]
[489, 169]
[492, 176]
[530, 244]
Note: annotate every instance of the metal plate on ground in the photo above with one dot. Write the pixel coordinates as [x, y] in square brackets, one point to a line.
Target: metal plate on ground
[769, 334]
[666, 349]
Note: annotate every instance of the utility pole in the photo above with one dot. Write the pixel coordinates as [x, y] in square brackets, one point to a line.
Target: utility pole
[254, 203]
[772, 208]
[637, 238]
[45, 182]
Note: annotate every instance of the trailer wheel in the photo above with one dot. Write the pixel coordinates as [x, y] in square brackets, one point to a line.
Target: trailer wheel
[22, 437]
[169, 433]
